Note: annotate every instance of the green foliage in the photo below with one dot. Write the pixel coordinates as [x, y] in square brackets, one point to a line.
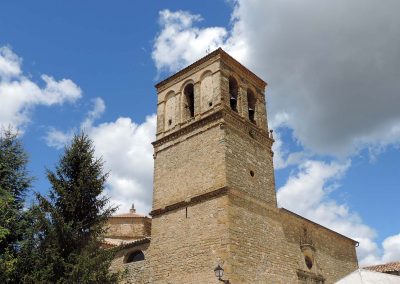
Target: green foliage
[64, 245]
[14, 184]
[14, 176]
[5, 203]
[92, 266]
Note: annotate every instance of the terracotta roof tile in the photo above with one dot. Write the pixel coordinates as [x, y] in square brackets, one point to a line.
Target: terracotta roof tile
[129, 215]
[124, 243]
[387, 267]
[116, 242]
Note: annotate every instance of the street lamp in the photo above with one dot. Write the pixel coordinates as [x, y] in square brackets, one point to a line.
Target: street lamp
[219, 273]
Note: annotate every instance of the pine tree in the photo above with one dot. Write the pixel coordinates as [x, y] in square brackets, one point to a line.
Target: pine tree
[65, 244]
[14, 184]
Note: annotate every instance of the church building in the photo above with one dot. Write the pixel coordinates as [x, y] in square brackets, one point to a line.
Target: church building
[214, 201]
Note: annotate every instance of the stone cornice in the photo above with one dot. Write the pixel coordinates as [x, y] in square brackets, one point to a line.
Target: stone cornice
[218, 53]
[230, 118]
[188, 128]
[238, 194]
[196, 199]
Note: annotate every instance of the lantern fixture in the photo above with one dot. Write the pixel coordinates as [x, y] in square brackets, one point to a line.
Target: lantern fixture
[219, 273]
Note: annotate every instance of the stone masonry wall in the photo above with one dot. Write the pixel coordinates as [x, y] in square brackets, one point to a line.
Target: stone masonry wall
[129, 228]
[187, 249]
[265, 246]
[134, 272]
[258, 249]
[190, 167]
[335, 254]
[249, 164]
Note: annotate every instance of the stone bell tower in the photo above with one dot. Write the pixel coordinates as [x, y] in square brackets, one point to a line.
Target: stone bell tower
[212, 133]
[212, 147]
[214, 200]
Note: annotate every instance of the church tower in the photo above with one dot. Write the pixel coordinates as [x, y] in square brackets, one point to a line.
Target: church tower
[212, 133]
[212, 144]
[214, 200]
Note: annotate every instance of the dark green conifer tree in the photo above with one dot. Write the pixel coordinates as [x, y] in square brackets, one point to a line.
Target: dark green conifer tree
[14, 184]
[65, 244]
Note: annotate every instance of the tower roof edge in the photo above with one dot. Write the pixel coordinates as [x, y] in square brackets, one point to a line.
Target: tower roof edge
[218, 52]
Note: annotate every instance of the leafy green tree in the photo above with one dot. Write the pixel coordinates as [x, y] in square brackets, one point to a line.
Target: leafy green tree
[65, 244]
[14, 184]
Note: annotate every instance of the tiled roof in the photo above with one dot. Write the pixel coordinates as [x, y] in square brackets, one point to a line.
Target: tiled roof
[392, 266]
[129, 215]
[124, 243]
[117, 242]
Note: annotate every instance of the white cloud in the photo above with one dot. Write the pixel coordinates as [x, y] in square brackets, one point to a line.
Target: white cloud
[128, 154]
[373, 255]
[307, 192]
[126, 150]
[58, 139]
[19, 95]
[58, 92]
[98, 109]
[10, 63]
[180, 43]
[391, 246]
[283, 157]
[339, 86]
[370, 252]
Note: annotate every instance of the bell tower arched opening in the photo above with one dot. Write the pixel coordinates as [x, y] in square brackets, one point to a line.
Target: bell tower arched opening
[251, 104]
[233, 93]
[189, 97]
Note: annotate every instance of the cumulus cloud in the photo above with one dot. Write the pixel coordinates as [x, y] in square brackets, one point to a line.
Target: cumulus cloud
[180, 42]
[307, 192]
[125, 147]
[10, 63]
[339, 86]
[19, 94]
[283, 157]
[128, 154]
[332, 66]
[391, 246]
[98, 109]
[58, 139]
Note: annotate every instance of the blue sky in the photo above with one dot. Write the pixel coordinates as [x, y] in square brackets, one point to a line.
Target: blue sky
[333, 95]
